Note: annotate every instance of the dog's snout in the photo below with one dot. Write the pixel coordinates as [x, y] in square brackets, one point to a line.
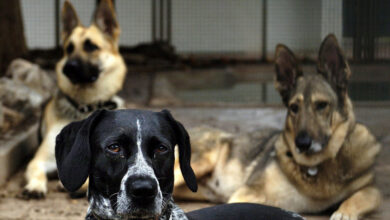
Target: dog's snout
[72, 67]
[79, 72]
[303, 141]
[142, 189]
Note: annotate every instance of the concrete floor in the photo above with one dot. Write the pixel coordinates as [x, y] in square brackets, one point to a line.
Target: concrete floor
[58, 205]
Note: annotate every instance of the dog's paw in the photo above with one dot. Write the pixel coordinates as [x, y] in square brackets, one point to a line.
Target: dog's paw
[34, 190]
[27, 194]
[343, 216]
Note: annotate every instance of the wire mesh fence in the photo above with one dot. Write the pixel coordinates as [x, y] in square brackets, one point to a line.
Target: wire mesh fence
[229, 31]
[228, 27]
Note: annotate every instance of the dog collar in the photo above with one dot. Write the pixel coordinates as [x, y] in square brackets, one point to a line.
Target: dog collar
[88, 108]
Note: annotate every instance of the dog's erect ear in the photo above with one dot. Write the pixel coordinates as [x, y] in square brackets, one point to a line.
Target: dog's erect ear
[183, 140]
[105, 19]
[333, 65]
[69, 20]
[73, 152]
[287, 71]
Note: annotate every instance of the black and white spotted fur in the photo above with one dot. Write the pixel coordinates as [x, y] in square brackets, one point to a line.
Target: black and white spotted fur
[85, 149]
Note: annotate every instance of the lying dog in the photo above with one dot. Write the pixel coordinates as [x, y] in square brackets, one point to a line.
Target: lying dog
[129, 158]
[89, 75]
[321, 158]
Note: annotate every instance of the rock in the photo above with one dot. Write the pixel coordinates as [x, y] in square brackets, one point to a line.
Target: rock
[32, 76]
[25, 89]
[18, 96]
[11, 119]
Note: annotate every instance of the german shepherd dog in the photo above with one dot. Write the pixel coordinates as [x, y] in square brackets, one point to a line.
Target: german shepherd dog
[321, 159]
[89, 75]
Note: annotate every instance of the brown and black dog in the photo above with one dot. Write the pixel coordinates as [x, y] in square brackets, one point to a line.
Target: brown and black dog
[89, 76]
[322, 158]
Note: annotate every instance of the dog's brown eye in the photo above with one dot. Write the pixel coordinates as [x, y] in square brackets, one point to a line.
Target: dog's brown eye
[115, 148]
[69, 48]
[89, 46]
[161, 149]
[294, 108]
[321, 105]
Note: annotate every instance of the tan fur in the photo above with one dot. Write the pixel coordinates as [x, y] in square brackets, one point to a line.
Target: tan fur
[338, 170]
[59, 112]
[212, 145]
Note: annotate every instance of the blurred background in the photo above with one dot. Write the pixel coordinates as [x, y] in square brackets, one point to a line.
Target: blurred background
[186, 52]
[209, 61]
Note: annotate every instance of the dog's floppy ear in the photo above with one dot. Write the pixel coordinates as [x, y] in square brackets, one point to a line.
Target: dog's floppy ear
[287, 71]
[73, 152]
[105, 19]
[183, 141]
[333, 65]
[69, 20]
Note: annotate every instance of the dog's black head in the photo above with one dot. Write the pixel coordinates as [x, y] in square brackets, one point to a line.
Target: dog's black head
[128, 156]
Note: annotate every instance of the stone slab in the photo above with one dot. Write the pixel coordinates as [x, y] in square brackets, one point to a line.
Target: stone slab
[16, 149]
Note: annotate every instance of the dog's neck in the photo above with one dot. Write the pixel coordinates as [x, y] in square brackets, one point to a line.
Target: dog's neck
[88, 108]
[72, 110]
[170, 212]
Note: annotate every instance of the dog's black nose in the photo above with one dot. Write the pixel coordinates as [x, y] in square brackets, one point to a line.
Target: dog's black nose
[303, 141]
[72, 69]
[79, 72]
[142, 190]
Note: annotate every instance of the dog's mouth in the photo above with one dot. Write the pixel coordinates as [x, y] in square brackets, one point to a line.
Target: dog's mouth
[305, 144]
[314, 148]
[147, 212]
[144, 214]
[79, 72]
[139, 216]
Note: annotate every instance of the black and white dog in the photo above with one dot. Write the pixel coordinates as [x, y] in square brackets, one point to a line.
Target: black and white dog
[128, 156]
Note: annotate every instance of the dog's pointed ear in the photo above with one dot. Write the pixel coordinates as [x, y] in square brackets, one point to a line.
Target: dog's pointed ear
[73, 152]
[287, 71]
[333, 65]
[183, 141]
[105, 19]
[69, 20]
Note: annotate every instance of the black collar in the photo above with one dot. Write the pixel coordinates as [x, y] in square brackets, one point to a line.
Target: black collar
[88, 108]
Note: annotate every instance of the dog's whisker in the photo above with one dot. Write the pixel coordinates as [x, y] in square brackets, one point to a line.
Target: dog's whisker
[114, 194]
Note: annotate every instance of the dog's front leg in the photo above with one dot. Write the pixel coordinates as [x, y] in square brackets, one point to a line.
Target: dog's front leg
[42, 163]
[360, 203]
